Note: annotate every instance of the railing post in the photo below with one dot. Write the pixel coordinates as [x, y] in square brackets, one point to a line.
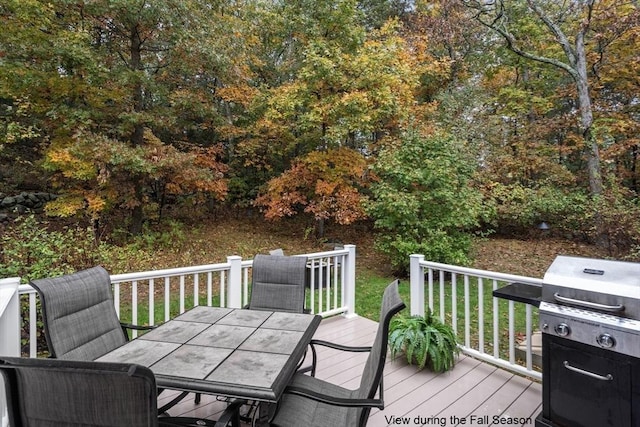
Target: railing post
[350, 282]
[234, 283]
[416, 277]
[9, 317]
[9, 332]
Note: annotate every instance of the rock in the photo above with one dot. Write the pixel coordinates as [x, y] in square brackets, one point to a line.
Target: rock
[8, 202]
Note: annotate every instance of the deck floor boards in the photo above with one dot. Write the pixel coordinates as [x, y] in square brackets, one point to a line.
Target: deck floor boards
[472, 394]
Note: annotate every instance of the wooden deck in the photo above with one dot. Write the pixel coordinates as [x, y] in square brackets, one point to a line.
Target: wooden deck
[472, 394]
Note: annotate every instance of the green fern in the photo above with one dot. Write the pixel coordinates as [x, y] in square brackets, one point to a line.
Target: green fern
[425, 341]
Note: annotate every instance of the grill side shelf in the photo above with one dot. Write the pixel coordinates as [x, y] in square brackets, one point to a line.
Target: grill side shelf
[520, 292]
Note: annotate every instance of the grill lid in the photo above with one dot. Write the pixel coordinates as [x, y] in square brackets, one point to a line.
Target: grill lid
[596, 284]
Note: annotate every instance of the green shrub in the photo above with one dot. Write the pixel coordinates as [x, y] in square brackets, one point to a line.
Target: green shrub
[519, 209]
[423, 201]
[615, 222]
[29, 249]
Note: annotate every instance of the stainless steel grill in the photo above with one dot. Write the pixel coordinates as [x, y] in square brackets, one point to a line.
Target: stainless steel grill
[593, 301]
[590, 319]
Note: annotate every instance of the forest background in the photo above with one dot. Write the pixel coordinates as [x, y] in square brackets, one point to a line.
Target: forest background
[425, 124]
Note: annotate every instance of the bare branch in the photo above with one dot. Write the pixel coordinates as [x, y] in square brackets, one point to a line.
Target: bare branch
[557, 32]
[499, 24]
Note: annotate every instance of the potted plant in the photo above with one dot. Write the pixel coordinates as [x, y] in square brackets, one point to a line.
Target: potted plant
[425, 341]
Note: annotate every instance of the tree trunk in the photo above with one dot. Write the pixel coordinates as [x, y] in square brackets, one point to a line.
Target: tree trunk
[586, 118]
[320, 228]
[137, 136]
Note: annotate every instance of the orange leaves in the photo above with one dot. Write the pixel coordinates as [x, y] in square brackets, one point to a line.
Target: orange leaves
[239, 94]
[109, 173]
[323, 183]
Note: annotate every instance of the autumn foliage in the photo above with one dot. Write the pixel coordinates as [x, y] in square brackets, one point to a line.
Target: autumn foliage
[125, 108]
[326, 184]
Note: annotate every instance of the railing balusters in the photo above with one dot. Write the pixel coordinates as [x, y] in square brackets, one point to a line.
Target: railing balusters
[33, 343]
[334, 277]
[529, 334]
[512, 335]
[454, 302]
[209, 288]
[496, 322]
[182, 292]
[223, 289]
[152, 310]
[245, 286]
[167, 298]
[116, 297]
[196, 290]
[422, 270]
[336, 270]
[134, 306]
[480, 315]
[442, 299]
[430, 282]
[467, 313]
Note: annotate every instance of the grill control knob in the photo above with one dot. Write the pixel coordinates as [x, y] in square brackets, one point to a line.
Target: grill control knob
[606, 341]
[563, 330]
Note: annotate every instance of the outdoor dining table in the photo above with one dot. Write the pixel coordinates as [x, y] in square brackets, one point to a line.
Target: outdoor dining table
[237, 353]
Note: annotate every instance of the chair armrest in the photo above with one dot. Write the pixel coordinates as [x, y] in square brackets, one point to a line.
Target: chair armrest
[339, 346]
[333, 400]
[129, 326]
[137, 327]
[314, 355]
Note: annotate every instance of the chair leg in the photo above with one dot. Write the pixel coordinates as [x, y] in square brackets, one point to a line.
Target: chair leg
[164, 408]
[231, 414]
[198, 398]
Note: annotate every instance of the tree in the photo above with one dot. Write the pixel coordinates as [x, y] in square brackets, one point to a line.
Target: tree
[327, 184]
[105, 99]
[31, 47]
[422, 200]
[341, 98]
[564, 36]
[562, 22]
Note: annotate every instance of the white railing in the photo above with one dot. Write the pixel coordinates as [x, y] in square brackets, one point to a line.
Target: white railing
[456, 294]
[460, 296]
[9, 331]
[155, 296]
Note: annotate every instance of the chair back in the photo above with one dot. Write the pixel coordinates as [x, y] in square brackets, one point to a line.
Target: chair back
[371, 380]
[278, 283]
[55, 393]
[80, 320]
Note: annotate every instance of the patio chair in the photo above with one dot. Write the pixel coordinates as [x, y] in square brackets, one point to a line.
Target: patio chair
[80, 319]
[278, 283]
[53, 392]
[312, 402]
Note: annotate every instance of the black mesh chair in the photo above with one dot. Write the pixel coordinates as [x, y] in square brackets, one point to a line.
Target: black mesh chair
[54, 393]
[278, 283]
[312, 402]
[80, 319]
